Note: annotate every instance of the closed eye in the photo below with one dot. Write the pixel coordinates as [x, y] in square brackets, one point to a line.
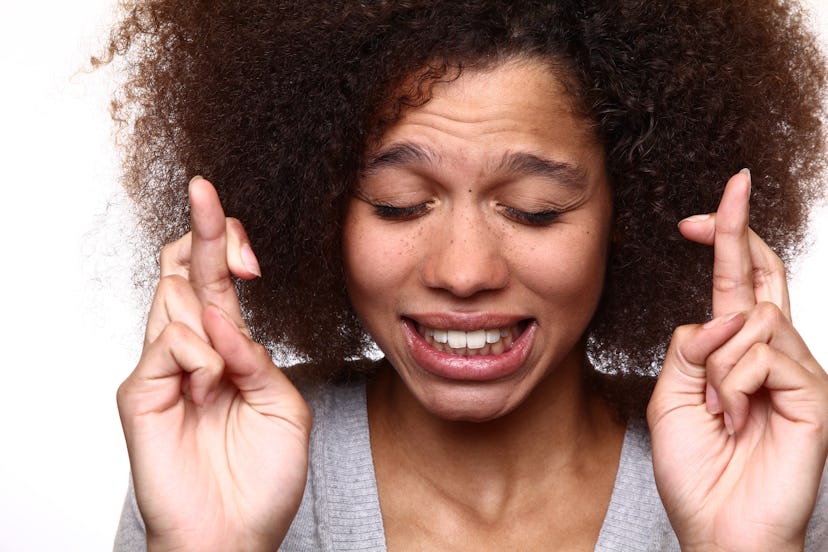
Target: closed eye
[392, 212]
[532, 218]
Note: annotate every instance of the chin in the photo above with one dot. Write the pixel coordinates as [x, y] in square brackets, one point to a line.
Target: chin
[470, 403]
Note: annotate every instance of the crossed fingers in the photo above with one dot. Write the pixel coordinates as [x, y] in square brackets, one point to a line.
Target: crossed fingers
[749, 283]
[197, 269]
[197, 283]
[745, 270]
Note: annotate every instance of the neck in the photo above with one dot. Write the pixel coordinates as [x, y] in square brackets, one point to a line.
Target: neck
[557, 431]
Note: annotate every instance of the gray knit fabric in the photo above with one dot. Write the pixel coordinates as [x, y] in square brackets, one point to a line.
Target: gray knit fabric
[340, 508]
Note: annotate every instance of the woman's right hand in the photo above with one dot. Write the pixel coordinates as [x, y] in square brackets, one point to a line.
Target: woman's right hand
[217, 435]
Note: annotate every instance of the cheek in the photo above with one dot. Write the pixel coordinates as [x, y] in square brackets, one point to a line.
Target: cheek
[569, 269]
[377, 262]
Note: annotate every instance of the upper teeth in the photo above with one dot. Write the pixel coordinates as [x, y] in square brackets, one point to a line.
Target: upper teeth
[458, 339]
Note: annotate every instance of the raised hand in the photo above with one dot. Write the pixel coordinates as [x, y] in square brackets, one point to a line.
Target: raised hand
[217, 436]
[739, 417]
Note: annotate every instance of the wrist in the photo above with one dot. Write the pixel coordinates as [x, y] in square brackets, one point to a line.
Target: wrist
[747, 546]
[197, 544]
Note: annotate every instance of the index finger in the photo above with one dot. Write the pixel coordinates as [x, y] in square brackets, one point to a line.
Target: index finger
[732, 266]
[209, 273]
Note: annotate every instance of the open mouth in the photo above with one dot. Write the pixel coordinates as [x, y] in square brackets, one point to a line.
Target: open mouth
[479, 342]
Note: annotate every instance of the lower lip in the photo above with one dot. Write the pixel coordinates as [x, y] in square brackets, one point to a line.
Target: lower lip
[468, 368]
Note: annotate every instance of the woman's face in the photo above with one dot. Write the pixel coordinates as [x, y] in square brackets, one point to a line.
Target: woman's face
[476, 244]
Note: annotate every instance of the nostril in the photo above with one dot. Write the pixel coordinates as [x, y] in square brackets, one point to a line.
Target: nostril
[464, 258]
[463, 275]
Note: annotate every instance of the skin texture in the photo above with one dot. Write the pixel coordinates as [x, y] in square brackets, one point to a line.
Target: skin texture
[738, 417]
[466, 261]
[284, 104]
[742, 397]
[202, 400]
[271, 98]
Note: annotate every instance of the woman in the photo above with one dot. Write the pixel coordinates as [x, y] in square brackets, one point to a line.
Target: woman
[496, 185]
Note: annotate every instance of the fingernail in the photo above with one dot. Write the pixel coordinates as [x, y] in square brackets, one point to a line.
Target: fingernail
[196, 177]
[210, 398]
[695, 218]
[711, 399]
[249, 259]
[719, 320]
[749, 177]
[728, 424]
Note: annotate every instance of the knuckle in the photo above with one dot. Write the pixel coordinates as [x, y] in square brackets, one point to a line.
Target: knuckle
[172, 253]
[684, 348]
[168, 288]
[216, 286]
[729, 227]
[210, 364]
[728, 388]
[174, 334]
[172, 284]
[682, 334]
[759, 354]
[122, 394]
[769, 314]
[260, 351]
[762, 275]
[718, 365]
[727, 283]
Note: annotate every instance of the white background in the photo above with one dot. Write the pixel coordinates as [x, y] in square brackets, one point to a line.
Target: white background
[70, 329]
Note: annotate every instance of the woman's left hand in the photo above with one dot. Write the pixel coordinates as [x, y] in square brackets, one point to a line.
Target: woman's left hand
[739, 417]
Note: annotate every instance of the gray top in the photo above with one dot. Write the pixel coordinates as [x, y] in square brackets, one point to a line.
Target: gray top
[340, 508]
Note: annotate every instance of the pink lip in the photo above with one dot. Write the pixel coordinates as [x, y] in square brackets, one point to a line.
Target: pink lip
[466, 321]
[477, 368]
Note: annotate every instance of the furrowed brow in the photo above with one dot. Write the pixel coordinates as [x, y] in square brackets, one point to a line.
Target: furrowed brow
[399, 155]
[528, 164]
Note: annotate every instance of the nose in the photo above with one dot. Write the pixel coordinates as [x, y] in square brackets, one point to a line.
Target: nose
[464, 256]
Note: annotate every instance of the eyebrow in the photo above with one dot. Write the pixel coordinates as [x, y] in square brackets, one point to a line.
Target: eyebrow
[512, 163]
[528, 164]
[399, 155]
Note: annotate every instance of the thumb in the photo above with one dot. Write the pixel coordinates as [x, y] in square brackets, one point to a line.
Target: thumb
[683, 373]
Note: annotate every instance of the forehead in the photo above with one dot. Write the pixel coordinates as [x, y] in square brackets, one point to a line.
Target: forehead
[531, 93]
[518, 105]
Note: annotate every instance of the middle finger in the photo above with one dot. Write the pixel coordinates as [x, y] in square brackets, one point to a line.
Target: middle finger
[209, 272]
[733, 289]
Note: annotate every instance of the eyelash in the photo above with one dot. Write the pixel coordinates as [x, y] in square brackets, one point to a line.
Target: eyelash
[533, 218]
[391, 212]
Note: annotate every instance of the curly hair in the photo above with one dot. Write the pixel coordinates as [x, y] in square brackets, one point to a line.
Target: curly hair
[277, 101]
